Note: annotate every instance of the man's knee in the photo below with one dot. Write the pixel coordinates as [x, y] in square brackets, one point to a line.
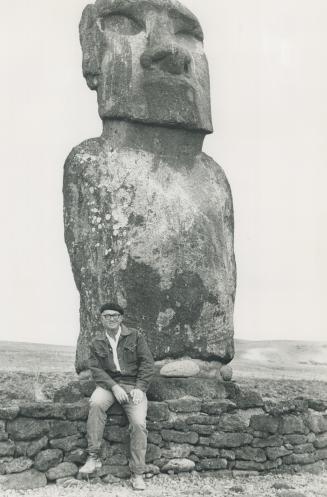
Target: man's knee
[98, 404]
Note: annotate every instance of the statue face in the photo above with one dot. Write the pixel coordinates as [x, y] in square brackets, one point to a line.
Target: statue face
[146, 61]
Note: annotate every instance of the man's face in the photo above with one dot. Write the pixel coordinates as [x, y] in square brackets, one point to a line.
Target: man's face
[111, 320]
[145, 58]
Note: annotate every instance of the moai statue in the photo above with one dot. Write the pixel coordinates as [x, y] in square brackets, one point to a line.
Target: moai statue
[148, 215]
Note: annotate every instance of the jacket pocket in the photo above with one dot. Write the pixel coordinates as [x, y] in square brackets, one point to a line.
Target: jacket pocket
[130, 353]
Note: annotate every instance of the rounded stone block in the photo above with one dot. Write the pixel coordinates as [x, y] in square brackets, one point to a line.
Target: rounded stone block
[174, 388]
[179, 466]
[26, 480]
[180, 369]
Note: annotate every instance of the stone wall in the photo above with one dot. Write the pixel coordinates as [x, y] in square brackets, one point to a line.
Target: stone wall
[42, 443]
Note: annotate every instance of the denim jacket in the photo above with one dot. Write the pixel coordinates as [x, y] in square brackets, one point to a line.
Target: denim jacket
[134, 356]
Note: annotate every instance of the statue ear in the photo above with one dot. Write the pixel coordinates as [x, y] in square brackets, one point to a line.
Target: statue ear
[91, 42]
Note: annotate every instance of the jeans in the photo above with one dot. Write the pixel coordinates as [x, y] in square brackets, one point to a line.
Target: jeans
[100, 401]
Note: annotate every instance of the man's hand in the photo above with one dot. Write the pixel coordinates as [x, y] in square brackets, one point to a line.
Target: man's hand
[120, 394]
[137, 395]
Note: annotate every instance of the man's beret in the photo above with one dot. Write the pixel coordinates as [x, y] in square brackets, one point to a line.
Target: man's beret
[111, 306]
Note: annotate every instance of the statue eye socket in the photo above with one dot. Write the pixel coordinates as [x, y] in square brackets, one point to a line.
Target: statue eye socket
[120, 24]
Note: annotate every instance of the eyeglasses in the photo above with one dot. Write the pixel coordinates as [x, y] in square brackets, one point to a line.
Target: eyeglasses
[111, 316]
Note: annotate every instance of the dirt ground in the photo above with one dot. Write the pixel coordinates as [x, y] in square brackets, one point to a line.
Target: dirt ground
[302, 485]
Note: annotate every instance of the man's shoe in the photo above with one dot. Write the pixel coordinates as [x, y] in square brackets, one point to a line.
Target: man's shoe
[138, 482]
[92, 464]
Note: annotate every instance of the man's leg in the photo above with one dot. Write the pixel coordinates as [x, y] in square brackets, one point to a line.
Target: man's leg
[136, 414]
[100, 402]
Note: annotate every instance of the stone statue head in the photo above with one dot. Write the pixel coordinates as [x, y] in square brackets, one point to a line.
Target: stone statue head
[146, 61]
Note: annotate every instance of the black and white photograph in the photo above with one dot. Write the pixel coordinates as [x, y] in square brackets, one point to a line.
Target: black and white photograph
[163, 254]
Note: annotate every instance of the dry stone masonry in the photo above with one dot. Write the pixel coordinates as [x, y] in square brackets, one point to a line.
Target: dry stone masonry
[43, 443]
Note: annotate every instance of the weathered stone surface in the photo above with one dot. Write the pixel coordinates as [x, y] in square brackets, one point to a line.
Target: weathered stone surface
[218, 406]
[77, 411]
[202, 419]
[69, 393]
[303, 448]
[321, 454]
[226, 372]
[203, 429]
[179, 465]
[26, 480]
[157, 411]
[231, 422]
[153, 452]
[227, 454]
[205, 451]
[3, 433]
[295, 439]
[154, 438]
[47, 459]
[211, 464]
[272, 441]
[276, 452]
[115, 470]
[77, 456]
[251, 454]
[7, 448]
[30, 449]
[62, 470]
[249, 465]
[116, 433]
[60, 429]
[18, 465]
[180, 437]
[299, 459]
[43, 410]
[316, 404]
[67, 444]
[173, 388]
[321, 441]
[148, 216]
[230, 440]
[317, 422]
[264, 423]
[177, 450]
[286, 406]
[246, 398]
[9, 412]
[291, 493]
[185, 404]
[291, 424]
[180, 369]
[27, 428]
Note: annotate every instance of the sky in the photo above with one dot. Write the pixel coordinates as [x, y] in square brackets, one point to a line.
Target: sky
[268, 70]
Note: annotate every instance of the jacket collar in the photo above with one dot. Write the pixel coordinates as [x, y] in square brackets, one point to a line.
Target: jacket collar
[124, 332]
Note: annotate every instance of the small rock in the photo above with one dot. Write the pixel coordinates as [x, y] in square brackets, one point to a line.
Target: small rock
[18, 465]
[111, 479]
[67, 482]
[226, 372]
[179, 465]
[180, 369]
[62, 470]
[282, 485]
[23, 481]
[48, 458]
[237, 489]
[290, 493]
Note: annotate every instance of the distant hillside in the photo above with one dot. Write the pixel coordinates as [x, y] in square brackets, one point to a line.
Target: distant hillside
[274, 358]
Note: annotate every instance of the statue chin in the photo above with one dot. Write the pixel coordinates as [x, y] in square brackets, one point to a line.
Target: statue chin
[163, 102]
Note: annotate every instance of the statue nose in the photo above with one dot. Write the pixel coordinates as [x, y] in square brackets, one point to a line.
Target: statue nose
[169, 57]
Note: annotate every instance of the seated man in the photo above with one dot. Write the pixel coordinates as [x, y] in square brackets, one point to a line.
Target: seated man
[122, 367]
